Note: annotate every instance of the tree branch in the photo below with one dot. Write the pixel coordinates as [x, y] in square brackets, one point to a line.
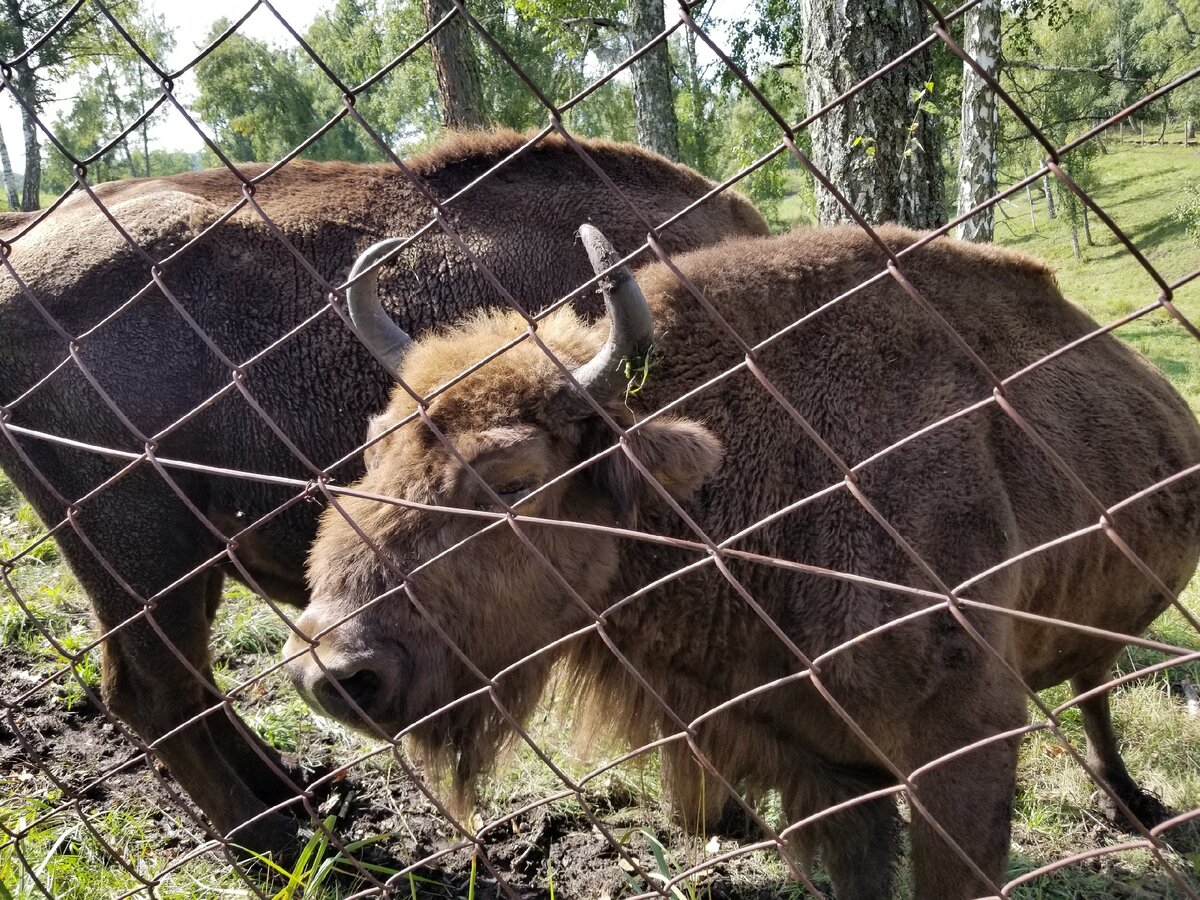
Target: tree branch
[1104, 71]
[596, 22]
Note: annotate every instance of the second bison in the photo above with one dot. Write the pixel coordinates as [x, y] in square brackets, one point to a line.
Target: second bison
[842, 533]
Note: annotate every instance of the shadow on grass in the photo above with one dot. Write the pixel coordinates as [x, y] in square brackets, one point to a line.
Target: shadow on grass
[1105, 876]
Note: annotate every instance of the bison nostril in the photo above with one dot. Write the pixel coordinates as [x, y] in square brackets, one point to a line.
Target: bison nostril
[363, 687]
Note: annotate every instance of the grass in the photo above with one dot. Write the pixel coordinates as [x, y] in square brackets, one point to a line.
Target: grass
[1054, 813]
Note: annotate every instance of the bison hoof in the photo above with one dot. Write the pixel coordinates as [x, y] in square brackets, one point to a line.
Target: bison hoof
[1148, 809]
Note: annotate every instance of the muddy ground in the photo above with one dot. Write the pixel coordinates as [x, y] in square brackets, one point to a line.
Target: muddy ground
[61, 753]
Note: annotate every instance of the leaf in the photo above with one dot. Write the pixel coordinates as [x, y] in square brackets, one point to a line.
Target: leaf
[858, 140]
[929, 86]
[931, 109]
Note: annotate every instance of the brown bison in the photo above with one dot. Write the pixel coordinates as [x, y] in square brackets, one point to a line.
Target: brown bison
[152, 553]
[851, 472]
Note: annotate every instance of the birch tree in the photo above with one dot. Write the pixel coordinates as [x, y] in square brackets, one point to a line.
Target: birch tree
[980, 120]
[882, 147]
[10, 181]
[457, 68]
[653, 99]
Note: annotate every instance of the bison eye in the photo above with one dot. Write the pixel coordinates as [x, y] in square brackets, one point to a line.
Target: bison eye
[512, 494]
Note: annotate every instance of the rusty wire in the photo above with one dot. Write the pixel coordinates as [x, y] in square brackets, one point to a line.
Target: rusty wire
[321, 482]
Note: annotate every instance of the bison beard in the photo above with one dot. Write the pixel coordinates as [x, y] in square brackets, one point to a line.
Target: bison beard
[865, 373]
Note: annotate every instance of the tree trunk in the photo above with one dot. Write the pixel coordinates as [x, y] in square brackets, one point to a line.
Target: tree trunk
[980, 118]
[653, 99]
[114, 99]
[459, 85]
[1087, 226]
[885, 170]
[1029, 197]
[1191, 129]
[1049, 196]
[1075, 240]
[700, 130]
[26, 85]
[145, 122]
[10, 181]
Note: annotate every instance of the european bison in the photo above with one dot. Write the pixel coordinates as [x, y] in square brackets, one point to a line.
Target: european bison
[962, 485]
[161, 550]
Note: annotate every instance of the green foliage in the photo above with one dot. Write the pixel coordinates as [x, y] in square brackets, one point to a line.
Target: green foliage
[315, 865]
[770, 31]
[256, 98]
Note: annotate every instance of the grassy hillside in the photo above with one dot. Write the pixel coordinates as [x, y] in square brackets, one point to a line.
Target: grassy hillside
[1139, 188]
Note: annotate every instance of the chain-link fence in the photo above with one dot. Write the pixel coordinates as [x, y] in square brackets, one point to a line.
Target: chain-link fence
[790, 556]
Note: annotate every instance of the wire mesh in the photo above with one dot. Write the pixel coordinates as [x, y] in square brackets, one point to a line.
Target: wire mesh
[159, 480]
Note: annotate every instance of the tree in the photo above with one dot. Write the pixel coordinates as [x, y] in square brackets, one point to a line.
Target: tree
[356, 39]
[653, 98]
[116, 88]
[35, 75]
[882, 147]
[256, 98]
[457, 67]
[10, 182]
[980, 119]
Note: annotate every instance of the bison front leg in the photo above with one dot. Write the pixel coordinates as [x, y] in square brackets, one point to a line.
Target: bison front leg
[698, 801]
[217, 761]
[134, 541]
[969, 797]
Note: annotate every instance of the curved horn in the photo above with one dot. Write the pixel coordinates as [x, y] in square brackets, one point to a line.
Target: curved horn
[383, 337]
[631, 329]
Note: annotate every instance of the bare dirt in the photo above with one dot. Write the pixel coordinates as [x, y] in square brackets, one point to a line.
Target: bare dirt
[69, 764]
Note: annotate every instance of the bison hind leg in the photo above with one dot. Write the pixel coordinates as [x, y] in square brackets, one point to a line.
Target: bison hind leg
[1104, 758]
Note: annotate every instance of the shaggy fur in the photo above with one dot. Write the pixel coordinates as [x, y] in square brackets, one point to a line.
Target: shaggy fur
[246, 290]
[865, 374]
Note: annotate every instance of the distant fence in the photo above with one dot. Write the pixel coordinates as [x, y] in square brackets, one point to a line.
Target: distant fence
[29, 751]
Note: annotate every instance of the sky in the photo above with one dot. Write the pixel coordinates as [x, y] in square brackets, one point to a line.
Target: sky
[191, 21]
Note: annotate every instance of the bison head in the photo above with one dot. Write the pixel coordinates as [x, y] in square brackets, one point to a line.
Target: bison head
[460, 553]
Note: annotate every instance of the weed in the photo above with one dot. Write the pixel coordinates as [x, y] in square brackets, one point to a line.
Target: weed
[665, 868]
[315, 865]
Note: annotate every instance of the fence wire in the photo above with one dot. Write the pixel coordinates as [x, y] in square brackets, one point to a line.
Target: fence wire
[443, 845]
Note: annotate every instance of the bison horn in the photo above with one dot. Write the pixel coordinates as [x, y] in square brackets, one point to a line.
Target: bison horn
[631, 329]
[382, 336]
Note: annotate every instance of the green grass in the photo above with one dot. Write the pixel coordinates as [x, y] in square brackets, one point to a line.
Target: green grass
[1139, 189]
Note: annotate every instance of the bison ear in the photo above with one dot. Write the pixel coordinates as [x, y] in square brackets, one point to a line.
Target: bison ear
[680, 453]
